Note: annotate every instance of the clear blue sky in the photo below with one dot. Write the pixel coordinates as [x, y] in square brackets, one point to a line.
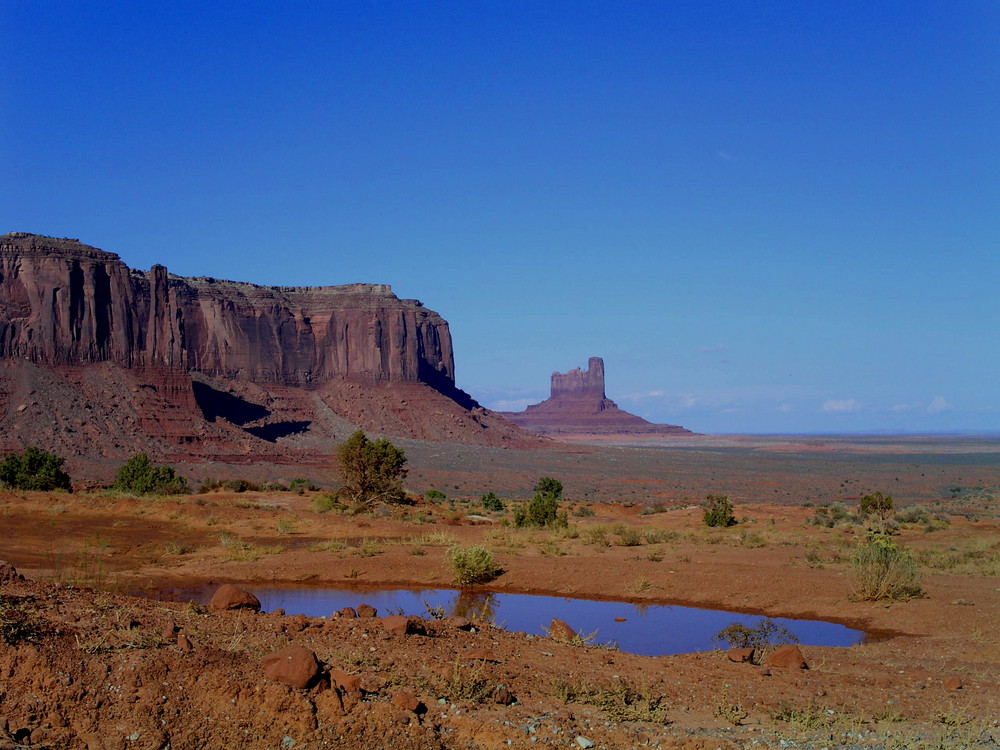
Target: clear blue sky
[765, 216]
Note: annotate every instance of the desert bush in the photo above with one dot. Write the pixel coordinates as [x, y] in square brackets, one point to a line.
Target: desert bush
[883, 570]
[543, 508]
[718, 511]
[302, 486]
[285, 526]
[472, 565]
[16, 625]
[597, 535]
[877, 508]
[34, 469]
[583, 511]
[323, 502]
[140, 476]
[371, 472]
[272, 487]
[491, 502]
[829, 516]
[764, 635]
[435, 495]
[913, 514]
[621, 700]
[629, 538]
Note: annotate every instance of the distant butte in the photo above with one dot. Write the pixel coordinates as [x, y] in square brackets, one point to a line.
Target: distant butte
[579, 407]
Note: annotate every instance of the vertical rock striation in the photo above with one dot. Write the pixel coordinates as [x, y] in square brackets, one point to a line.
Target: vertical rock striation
[64, 303]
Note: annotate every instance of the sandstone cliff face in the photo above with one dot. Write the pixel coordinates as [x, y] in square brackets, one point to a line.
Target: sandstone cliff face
[578, 406]
[64, 303]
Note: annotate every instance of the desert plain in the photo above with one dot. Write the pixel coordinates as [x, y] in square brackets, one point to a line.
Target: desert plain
[95, 656]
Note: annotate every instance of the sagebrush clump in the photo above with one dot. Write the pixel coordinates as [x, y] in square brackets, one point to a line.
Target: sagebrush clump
[472, 565]
[718, 511]
[884, 570]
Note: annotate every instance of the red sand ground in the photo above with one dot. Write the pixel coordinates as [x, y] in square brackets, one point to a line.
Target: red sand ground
[87, 668]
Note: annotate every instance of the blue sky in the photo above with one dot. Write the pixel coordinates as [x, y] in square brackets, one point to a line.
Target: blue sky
[766, 217]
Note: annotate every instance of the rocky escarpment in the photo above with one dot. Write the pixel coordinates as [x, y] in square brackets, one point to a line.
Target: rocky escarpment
[64, 303]
[98, 361]
[578, 406]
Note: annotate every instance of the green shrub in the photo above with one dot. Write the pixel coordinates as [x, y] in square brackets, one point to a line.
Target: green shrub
[323, 503]
[34, 470]
[877, 507]
[491, 502]
[435, 495]
[913, 514]
[301, 486]
[629, 538]
[543, 508]
[883, 570]
[829, 516]
[718, 511]
[139, 476]
[472, 565]
[371, 471]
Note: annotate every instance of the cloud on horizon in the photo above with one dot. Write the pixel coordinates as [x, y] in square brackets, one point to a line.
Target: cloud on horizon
[938, 404]
[842, 406]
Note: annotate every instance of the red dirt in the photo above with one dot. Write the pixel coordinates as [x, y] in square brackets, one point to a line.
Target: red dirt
[104, 670]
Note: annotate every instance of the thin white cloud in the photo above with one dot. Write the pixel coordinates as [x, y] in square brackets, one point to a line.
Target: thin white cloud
[715, 348]
[937, 405]
[517, 404]
[842, 406]
[786, 408]
[724, 155]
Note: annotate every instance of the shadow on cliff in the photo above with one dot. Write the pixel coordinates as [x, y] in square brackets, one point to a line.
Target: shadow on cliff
[446, 387]
[216, 404]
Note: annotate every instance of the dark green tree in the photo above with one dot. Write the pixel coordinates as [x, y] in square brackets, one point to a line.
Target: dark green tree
[34, 470]
[491, 502]
[370, 471]
[543, 508]
[140, 476]
[718, 511]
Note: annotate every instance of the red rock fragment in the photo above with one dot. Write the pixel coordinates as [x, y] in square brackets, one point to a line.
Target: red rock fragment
[295, 666]
[228, 597]
[406, 700]
[184, 643]
[740, 655]
[953, 683]
[349, 683]
[480, 654]
[787, 656]
[347, 612]
[560, 631]
[366, 610]
[502, 696]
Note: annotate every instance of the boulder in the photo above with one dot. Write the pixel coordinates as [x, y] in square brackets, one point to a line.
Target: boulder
[953, 683]
[8, 572]
[366, 611]
[401, 625]
[740, 655]
[406, 700]
[560, 631]
[228, 596]
[347, 612]
[502, 696]
[786, 656]
[349, 683]
[295, 666]
[480, 654]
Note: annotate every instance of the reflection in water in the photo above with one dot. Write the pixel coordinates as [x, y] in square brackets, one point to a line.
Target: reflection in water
[650, 629]
[475, 605]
